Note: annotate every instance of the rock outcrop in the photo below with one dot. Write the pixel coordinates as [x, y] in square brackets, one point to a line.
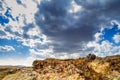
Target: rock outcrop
[87, 68]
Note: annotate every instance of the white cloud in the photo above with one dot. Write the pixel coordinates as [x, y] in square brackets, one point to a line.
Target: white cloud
[6, 48]
[102, 47]
[34, 32]
[49, 53]
[64, 55]
[98, 36]
[30, 42]
[25, 13]
[116, 38]
[14, 62]
[75, 7]
[42, 53]
[105, 48]
[34, 42]
[8, 35]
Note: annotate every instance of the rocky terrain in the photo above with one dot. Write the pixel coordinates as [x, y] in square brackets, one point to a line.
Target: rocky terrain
[87, 68]
[7, 70]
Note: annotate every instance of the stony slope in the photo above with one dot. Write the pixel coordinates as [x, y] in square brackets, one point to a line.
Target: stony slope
[87, 68]
[5, 70]
[23, 74]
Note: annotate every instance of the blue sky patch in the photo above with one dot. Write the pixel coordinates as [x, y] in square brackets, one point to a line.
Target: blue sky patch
[3, 20]
[7, 13]
[20, 50]
[109, 33]
[19, 1]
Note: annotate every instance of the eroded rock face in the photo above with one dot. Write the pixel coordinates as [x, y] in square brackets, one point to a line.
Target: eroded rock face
[87, 68]
[99, 66]
[23, 74]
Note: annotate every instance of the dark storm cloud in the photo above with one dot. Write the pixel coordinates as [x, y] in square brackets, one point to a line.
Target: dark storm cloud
[69, 33]
[108, 8]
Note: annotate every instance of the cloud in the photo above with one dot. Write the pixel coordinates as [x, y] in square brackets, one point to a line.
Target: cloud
[6, 48]
[16, 62]
[74, 7]
[42, 54]
[34, 32]
[70, 31]
[17, 15]
[23, 26]
[47, 52]
[61, 28]
[116, 38]
[104, 49]
[102, 46]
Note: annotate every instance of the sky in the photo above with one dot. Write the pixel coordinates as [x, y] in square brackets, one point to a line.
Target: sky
[39, 29]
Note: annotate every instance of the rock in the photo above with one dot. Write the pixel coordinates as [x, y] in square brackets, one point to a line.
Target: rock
[99, 67]
[91, 57]
[87, 68]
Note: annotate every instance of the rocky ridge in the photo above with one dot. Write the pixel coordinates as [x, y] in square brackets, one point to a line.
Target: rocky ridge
[86, 68]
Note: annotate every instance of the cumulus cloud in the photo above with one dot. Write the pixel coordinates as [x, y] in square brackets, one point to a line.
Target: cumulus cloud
[70, 24]
[74, 7]
[21, 16]
[104, 49]
[102, 46]
[116, 38]
[16, 62]
[61, 28]
[24, 13]
[42, 54]
[6, 48]
[23, 27]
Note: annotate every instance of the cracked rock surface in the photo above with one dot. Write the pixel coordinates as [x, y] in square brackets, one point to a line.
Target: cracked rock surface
[87, 68]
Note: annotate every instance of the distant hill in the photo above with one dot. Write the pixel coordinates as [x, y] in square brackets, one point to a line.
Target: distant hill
[10, 66]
